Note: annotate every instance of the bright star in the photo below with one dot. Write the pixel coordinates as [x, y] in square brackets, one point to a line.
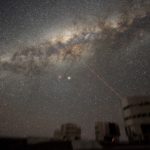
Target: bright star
[69, 78]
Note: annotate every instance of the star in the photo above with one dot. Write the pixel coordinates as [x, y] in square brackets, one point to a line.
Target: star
[59, 77]
[69, 77]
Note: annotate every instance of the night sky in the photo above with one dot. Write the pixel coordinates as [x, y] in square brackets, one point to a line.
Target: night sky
[70, 61]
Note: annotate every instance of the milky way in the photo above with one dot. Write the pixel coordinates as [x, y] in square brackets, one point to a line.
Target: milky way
[71, 44]
[56, 50]
[67, 61]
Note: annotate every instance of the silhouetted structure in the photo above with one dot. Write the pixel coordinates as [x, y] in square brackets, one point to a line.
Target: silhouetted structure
[107, 132]
[68, 132]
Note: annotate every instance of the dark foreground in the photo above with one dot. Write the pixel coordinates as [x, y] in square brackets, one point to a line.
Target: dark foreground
[22, 144]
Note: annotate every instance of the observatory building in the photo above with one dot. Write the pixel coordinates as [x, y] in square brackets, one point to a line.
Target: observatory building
[68, 132]
[136, 111]
[107, 132]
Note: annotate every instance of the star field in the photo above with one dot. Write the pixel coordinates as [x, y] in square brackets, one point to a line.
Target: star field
[70, 61]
